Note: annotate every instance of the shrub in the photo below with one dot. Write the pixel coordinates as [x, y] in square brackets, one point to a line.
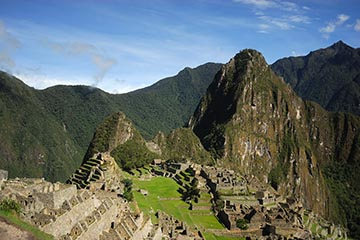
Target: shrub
[242, 224]
[10, 205]
[128, 194]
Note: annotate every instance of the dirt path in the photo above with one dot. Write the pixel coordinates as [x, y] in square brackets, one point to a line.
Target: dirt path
[9, 231]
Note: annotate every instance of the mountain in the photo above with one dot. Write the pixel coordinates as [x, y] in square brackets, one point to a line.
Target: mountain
[181, 145]
[329, 76]
[117, 143]
[45, 133]
[32, 142]
[252, 121]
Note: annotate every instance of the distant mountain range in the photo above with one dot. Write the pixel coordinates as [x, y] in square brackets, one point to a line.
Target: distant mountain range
[45, 133]
[329, 76]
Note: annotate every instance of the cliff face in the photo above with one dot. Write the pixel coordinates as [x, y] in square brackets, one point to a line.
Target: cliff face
[251, 120]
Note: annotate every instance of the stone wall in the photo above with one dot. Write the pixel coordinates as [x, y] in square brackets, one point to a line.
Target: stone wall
[66, 222]
[64, 193]
[3, 175]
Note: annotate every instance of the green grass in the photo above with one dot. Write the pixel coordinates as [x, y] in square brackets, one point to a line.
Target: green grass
[15, 220]
[313, 228]
[160, 188]
[210, 236]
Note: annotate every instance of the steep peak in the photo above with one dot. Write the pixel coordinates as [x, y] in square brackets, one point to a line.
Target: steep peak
[249, 55]
[244, 67]
[340, 45]
[240, 86]
[246, 60]
[115, 130]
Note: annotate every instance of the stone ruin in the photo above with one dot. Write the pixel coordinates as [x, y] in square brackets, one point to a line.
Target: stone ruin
[176, 229]
[99, 172]
[224, 181]
[3, 175]
[67, 213]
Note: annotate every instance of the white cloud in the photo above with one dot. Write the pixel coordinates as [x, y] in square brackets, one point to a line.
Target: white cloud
[280, 23]
[265, 4]
[341, 19]
[328, 29]
[299, 19]
[41, 81]
[357, 25]
[8, 45]
[275, 14]
[288, 6]
[331, 26]
[264, 26]
[259, 3]
[102, 62]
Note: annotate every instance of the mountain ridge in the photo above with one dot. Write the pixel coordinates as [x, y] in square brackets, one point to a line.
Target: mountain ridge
[270, 132]
[69, 115]
[329, 76]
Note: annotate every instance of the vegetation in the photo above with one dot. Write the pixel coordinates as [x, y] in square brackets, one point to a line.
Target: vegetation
[344, 204]
[162, 195]
[128, 194]
[327, 76]
[15, 220]
[45, 133]
[242, 224]
[10, 210]
[209, 236]
[181, 145]
[10, 205]
[192, 193]
[33, 142]
[105, 134]
[132, 154]
[276, 176]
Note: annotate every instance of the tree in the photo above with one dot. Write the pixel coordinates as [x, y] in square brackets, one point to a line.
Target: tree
[128, 195]
[242, 224]
[10, 205]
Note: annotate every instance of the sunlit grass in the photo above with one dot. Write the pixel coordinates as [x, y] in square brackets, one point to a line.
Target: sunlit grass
[163, 196]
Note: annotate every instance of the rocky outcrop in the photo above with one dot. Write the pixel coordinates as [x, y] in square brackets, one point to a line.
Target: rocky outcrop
[252, 121]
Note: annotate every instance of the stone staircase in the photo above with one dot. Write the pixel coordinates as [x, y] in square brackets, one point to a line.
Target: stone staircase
[86, 216]
[90, 171]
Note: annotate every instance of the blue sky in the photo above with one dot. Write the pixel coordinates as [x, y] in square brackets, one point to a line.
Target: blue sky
[123, 45]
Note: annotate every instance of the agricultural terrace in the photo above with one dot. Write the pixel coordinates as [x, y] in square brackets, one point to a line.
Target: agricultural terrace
[162, 194]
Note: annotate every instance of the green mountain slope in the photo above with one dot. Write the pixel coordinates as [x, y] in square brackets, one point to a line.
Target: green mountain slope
[32, 142]
[169, 103]
[116, 138]
[163, 106]
[252, 121]
[45, 133]
[329, 76]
